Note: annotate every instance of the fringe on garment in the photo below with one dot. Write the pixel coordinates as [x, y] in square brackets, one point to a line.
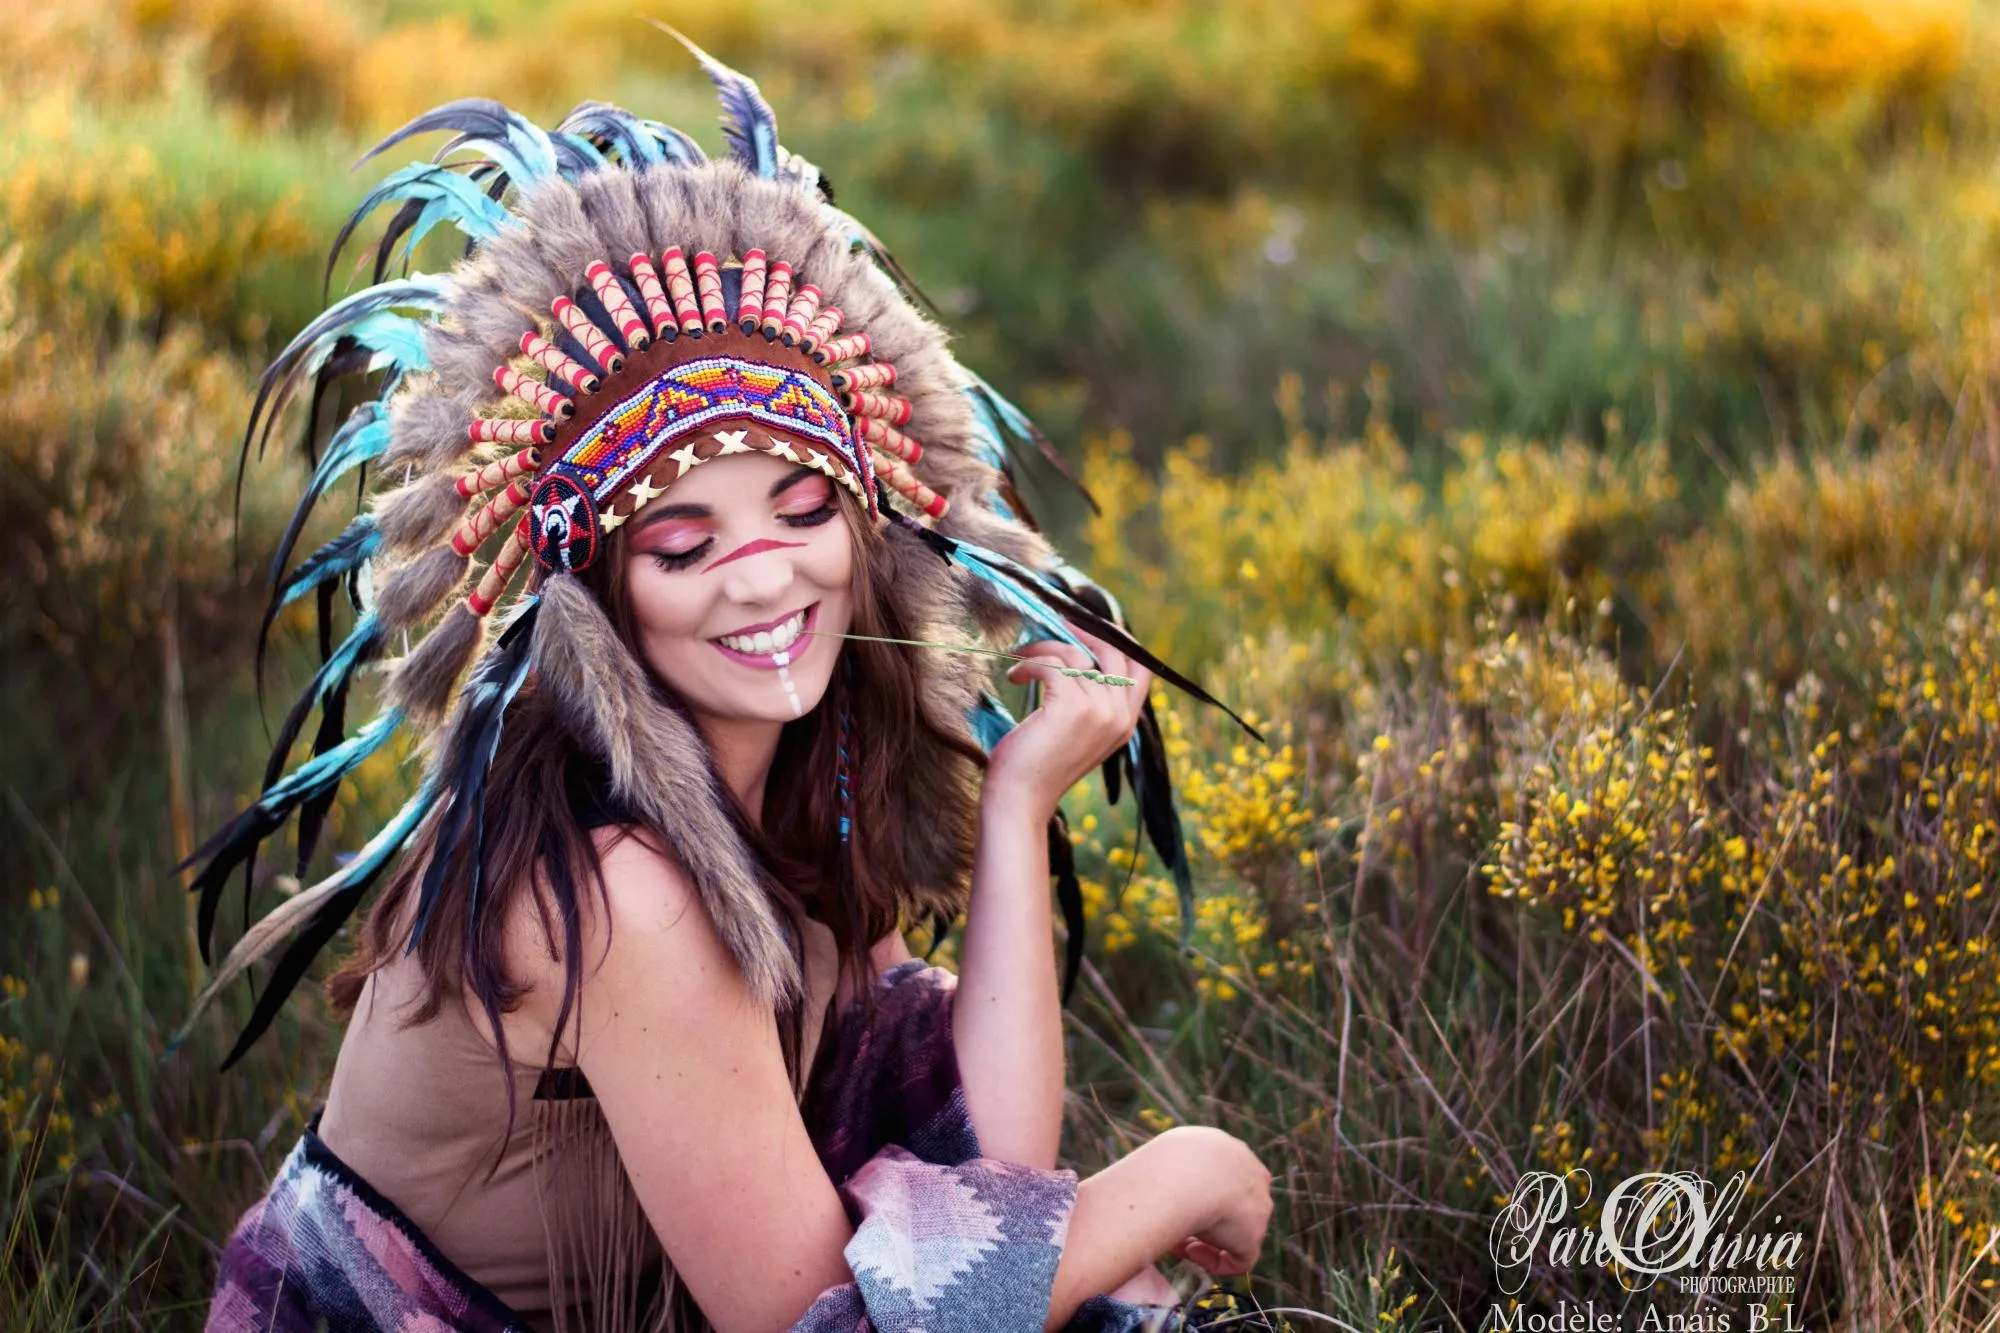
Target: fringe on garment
[606, 1268]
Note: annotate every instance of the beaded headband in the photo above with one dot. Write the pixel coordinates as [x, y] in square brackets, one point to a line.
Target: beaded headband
[635, 365]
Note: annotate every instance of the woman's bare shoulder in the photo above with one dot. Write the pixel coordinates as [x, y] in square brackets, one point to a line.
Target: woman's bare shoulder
[686, 1068]
[645, 917]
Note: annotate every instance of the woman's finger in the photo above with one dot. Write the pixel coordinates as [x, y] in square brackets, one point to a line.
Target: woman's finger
[1210, 1258]
[1067, 654]
[1062, 658]
[1096, 653]
[1048, 673]
[1093, 705]
[1115, 661]
[1108, 658]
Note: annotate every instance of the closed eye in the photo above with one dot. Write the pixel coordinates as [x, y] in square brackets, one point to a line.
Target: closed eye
[813, 518]
[681, 559]
[808, 503]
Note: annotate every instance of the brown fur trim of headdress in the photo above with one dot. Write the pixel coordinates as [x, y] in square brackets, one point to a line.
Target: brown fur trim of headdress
[658, 767]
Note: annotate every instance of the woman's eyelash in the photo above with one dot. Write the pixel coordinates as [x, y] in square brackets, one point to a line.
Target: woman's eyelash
[681, 559]
[671, 560]
[812, 519]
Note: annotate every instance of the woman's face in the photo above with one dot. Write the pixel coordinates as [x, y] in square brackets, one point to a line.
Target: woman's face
[725, 570]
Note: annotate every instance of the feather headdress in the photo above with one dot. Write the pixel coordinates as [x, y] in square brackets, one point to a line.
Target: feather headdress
[627, 310]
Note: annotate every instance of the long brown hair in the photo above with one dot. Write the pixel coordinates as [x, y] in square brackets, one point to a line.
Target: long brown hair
[536, 840]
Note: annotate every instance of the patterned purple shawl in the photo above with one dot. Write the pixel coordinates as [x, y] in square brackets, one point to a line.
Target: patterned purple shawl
[944, 1239]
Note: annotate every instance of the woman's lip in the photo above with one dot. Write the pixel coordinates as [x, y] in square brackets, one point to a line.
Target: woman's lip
[769, 624]
[769, 661]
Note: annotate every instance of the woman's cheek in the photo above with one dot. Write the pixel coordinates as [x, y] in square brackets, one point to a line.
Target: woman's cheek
[667, 621]
[837, 573]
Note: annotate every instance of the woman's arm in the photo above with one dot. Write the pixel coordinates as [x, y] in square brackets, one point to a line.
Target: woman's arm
[1007, 1018]
[687, 1070]
[1196, 1191]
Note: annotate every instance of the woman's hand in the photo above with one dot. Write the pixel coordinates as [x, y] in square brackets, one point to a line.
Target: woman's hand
[1190, 1179]
[1078, 723]
[1228, 1245]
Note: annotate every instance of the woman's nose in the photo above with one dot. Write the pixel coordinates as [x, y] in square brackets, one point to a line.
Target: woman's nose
[759, 580]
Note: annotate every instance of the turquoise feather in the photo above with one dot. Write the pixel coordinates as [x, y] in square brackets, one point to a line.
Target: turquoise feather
[515, 144]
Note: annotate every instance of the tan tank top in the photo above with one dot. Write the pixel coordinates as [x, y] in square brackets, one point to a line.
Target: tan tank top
[420, 1113]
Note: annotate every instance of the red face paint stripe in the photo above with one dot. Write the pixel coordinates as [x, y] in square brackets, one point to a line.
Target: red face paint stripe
[753, 548]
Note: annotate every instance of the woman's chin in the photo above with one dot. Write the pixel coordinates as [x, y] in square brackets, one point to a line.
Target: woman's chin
[780, 701]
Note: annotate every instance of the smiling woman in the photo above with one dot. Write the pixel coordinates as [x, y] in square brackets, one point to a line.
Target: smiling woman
[634, 1039]
[734, 549]
[777, 528]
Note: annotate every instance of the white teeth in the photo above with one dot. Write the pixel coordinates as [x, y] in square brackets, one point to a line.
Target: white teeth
[765, 642]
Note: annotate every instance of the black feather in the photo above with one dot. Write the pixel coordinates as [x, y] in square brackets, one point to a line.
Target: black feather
[470, 118]
[312, 814]
[749, 126]
[323, 620]
[941, 924]
[341, 554]
[333, 677]
[676, 146]
[468, 758]
[320, 571]
[1010, 423]
[1152, 782]
[279, 381]
[571, 160]
[612, 128]
[1069, 896]
[236, 842]
[1115, 763]
[298, 956]
[1153, 791]
[1064, 604]
[399, 226]
[1113, 770]
[365, 418]
[329, 904]
[322, 379]
[871, 245]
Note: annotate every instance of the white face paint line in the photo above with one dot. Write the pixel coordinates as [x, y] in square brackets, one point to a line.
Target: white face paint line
[784, 660]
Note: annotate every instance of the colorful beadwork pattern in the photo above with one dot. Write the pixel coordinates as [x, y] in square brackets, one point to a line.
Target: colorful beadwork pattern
[563, 525]
[695, 395]
[847, 420]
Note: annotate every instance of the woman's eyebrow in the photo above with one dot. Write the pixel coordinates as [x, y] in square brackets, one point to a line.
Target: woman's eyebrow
[789, 480]
[658, 513]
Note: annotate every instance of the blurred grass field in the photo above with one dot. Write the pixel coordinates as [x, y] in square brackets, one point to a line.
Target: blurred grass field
[1569, 428]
